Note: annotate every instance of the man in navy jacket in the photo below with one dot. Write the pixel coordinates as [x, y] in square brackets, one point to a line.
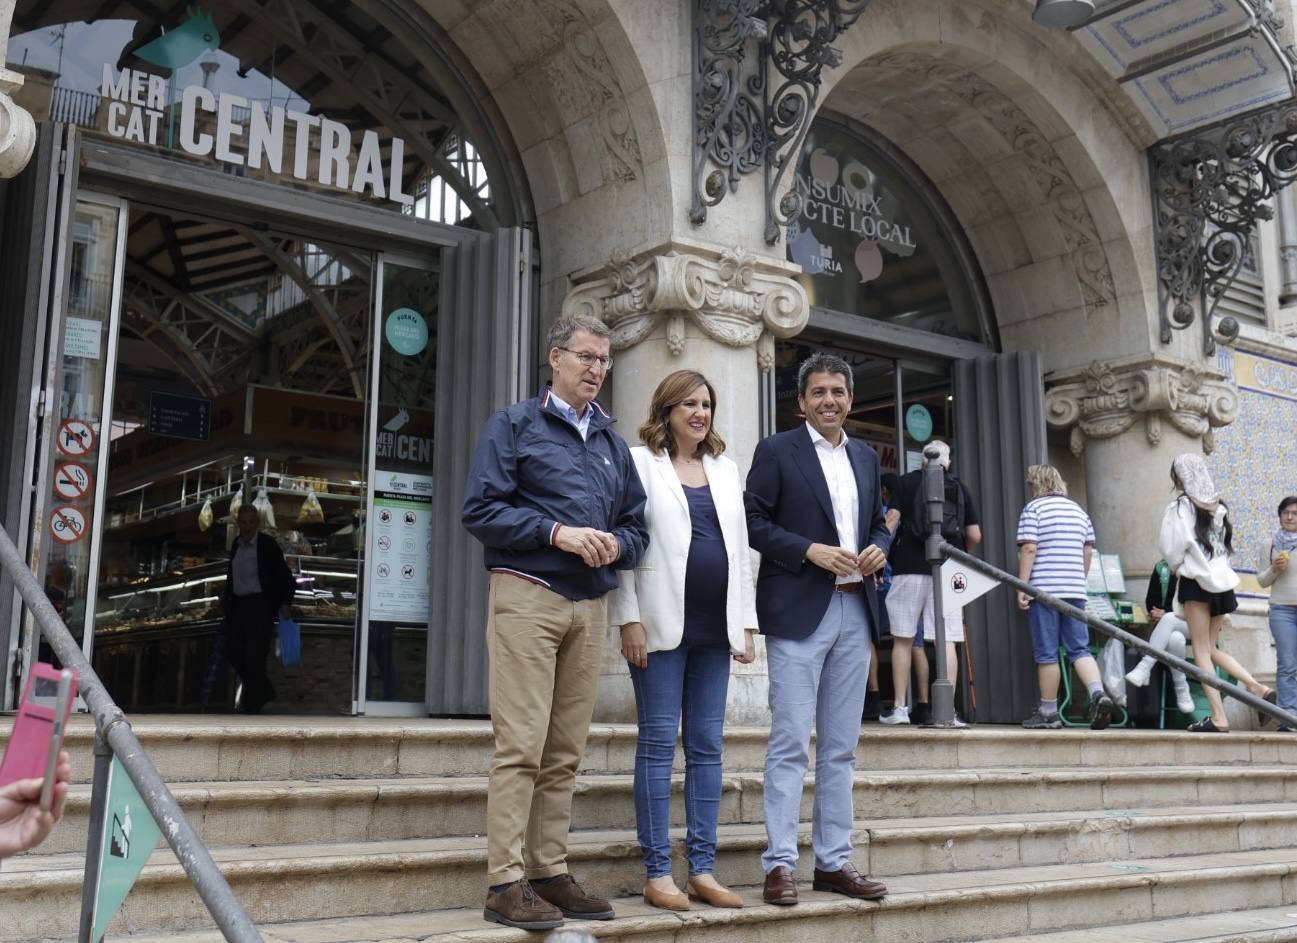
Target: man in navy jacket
[554, 498]
[815, 513]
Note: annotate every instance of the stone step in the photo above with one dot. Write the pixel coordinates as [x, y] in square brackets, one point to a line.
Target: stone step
[203, 748]
[1263, 925]
[227, 813]
[414, 874]
[1062, 900]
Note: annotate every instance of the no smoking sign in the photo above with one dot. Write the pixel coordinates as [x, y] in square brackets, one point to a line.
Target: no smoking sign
[72, 482]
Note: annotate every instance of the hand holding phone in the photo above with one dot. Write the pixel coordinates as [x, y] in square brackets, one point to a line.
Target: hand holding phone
[23, 823]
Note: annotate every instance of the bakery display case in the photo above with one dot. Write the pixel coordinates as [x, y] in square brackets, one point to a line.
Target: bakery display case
[163, 569]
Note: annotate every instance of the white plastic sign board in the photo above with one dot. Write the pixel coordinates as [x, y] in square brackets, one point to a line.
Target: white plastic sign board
[960, 585]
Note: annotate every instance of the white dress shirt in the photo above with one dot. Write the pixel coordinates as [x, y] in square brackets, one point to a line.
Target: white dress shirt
[581, 422]
[841, 478]
[246, 580]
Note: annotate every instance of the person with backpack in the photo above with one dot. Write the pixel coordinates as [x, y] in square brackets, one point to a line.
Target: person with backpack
[909, 600]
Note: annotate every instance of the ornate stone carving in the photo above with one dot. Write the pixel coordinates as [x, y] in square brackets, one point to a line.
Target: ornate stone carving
[17, 129]
[1107, 400]
[734, 297]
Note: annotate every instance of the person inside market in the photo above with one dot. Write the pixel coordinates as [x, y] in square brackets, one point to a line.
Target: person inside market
[258, 587]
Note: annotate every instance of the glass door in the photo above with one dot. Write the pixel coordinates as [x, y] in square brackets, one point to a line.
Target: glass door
[392, 645]
[69, 503]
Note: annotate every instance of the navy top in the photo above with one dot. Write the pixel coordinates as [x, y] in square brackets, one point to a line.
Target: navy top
[532, 471]
[706, 574]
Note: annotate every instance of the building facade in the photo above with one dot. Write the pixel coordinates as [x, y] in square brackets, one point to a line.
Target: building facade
[294, 253]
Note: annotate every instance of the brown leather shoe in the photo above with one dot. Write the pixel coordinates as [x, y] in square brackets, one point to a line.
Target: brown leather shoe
[850, 882]
[718, 896]
[664, 900]
[780, 887]
[518, 906]
[570, 897]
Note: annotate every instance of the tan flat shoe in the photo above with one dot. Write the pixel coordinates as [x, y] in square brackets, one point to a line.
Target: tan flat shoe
[655, 898]
[715, 896]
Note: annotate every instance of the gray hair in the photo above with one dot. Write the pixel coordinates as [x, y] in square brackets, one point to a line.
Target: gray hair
[561, 331]
[824, 363]
[937, 451]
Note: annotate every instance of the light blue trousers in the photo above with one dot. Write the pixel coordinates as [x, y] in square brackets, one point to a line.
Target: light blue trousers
[817, 682]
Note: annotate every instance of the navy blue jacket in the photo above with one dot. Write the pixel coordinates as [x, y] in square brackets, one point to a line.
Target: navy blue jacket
[789, 508]
[532, 472]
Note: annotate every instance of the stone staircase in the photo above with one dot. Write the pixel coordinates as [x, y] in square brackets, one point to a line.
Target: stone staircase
[348, 830]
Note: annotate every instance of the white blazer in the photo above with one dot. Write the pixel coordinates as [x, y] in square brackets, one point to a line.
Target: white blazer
[654, 592]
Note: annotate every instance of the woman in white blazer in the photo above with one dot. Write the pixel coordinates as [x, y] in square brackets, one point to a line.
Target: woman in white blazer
[684, 612]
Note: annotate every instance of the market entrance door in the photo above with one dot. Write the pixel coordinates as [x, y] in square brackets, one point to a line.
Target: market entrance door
[326, 379]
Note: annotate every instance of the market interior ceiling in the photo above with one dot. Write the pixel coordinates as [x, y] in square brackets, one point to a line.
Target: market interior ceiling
[186, 280]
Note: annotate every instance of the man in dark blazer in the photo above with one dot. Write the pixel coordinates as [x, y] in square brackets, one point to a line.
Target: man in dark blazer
[258, 586]
[815, 513]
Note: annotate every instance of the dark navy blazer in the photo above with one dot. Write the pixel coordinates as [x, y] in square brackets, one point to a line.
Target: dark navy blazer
[788, 507]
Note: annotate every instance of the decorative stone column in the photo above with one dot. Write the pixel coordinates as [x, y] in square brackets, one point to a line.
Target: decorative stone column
[17, 129]
[1130, 420]
[716, 310]
[1286, 201]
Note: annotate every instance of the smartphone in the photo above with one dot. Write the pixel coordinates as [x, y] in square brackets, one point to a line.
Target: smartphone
[37, 734]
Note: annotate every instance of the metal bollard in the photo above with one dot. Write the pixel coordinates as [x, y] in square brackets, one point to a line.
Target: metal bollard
[934, 496]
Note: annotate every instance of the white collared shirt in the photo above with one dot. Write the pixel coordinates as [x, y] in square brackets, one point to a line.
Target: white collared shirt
[246, 582]
[841, 479]
[581, 422]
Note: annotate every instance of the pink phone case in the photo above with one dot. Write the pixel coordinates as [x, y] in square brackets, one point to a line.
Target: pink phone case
[29, 743]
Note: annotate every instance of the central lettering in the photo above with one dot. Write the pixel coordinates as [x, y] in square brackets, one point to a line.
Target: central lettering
[244, 131]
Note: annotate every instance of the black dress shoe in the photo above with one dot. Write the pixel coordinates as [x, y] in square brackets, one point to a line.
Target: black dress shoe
[780, 887]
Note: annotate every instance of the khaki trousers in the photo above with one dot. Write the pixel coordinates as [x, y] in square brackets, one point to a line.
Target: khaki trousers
[545, 653]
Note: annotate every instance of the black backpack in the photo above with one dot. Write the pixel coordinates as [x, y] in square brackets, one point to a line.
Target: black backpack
[952, 513]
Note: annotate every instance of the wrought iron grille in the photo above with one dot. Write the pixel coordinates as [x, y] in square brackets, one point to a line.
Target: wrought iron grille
[1209, 190]
[747, 117]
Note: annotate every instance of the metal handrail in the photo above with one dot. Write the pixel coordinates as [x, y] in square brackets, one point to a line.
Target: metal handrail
[936, 550]
[114, 731]
[1131, 641]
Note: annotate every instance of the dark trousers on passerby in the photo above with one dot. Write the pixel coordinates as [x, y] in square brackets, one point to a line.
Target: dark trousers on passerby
[247, 631]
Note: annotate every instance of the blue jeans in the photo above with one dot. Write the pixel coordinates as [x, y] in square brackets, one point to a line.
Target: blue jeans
[1283, 626]
[692, 681]
[819, 682]
[1050, 629]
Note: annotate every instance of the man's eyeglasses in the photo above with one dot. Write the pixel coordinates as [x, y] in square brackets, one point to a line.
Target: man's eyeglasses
[588, 360]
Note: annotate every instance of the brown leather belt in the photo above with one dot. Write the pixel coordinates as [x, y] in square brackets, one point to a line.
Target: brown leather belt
[855, 587]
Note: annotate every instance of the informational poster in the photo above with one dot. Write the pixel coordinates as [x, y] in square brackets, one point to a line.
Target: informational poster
[81, 338]
[400, 547]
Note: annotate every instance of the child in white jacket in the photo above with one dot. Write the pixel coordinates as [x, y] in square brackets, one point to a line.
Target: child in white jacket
[1196, 540]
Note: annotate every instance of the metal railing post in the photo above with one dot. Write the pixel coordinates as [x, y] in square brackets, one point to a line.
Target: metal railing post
[115, 729]
[1130, 641]
[934, 497]
[95, 836]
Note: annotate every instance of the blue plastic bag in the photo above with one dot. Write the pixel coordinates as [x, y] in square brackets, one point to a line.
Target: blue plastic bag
[290, 643]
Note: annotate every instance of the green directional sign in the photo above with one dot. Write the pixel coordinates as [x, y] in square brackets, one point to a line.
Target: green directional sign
[130, 835]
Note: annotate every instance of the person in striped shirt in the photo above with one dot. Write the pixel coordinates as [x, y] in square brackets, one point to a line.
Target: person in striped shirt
[1055, 542]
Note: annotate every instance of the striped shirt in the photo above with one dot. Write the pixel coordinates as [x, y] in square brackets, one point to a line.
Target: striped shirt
[1060, 529]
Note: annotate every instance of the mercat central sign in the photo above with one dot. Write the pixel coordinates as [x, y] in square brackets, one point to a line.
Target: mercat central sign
[248, 133]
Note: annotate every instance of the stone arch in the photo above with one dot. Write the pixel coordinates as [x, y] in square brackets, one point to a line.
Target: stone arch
[570, 80]
[1040, 157]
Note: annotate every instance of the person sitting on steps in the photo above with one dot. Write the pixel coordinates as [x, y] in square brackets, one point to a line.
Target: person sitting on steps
[1170, 633]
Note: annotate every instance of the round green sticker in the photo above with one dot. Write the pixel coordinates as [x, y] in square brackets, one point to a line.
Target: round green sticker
[918, 423]
[406, 331]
